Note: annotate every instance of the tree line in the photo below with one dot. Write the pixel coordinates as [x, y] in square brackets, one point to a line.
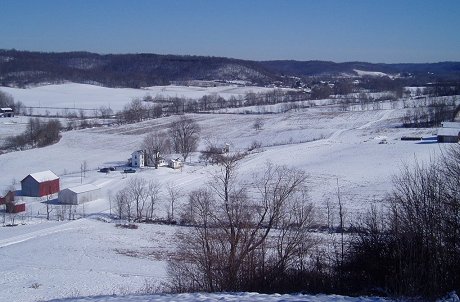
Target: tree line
[38, 133]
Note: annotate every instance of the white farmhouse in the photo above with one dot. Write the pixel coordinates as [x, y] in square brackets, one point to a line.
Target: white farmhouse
[138, 159]
[79, 194]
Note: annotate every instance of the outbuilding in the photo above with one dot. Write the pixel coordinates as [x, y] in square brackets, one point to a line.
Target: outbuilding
[79, 194]
[176, 163]
[40, 184]
[448, 135]
[6, 112]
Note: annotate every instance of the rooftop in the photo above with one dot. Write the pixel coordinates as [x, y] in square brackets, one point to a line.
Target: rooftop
[83, 188]
[43, 176]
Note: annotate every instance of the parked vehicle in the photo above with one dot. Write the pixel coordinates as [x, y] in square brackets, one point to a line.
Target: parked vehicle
[130, 170]
[104, 170]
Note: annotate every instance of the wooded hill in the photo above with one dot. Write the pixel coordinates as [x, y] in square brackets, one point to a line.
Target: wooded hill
[22, 68]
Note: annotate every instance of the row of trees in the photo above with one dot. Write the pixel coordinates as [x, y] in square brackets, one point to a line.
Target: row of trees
[38, 133]
[431, 115]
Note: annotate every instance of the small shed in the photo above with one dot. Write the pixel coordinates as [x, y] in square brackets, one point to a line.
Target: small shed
[79, 194]
[448, 135]
[175, 163]
[6, 112]
[40, 184]
[138, 159]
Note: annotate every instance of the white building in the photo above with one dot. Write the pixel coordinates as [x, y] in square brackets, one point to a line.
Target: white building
[138, 159]
[79, 194]
[455, 125]
[449, 133]
[6, 112]
[175, 163]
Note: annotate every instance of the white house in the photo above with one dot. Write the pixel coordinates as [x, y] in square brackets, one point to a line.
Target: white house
[79, 194]
[138, 159]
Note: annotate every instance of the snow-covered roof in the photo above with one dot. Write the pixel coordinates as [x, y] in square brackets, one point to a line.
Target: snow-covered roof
[448, 131]
[83, 188]
[6, 109]
[44, 176]
[451, 125]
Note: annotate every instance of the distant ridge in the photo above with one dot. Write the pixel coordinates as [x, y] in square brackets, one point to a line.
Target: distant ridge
[23, 68]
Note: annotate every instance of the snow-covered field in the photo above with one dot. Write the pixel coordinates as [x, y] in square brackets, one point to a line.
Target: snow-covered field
[73, 95]
[43, 260]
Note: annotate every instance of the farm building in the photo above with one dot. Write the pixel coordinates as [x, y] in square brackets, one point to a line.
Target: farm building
[175, 163]
[448, 135]
[40, 184]
[6, 112]
[455, 125]
[79, 194]
[138, 159]
[13, 208]
[8, 198]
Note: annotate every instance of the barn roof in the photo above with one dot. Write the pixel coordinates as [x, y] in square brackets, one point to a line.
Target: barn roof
[6, 109]
[451, 125]
[83, 188]
[43, 176]
[448, 132]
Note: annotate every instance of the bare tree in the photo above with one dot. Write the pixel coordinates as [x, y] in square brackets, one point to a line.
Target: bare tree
[155, 144]
[154, 190]
[121, 199]
[258, 124]
[245, 235]
[124, 204]
[138, 192]
[174, 194]
[185, 135]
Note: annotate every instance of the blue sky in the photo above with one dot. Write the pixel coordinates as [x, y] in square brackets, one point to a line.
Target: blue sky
[386, 31]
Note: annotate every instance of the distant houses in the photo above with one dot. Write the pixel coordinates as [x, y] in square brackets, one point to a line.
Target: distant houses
[40, 184]
[140, 159]
[6, 112]
[449, 133]
[79, 194]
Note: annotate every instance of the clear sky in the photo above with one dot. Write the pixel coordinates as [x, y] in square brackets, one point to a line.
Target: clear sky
[387, 31]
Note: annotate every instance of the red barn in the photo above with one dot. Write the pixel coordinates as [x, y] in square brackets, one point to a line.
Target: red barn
[15, 208]
[9, 197]
[40, 184]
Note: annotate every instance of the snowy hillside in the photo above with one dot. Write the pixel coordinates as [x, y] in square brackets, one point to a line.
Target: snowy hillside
[73, 95]
[45, 260]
